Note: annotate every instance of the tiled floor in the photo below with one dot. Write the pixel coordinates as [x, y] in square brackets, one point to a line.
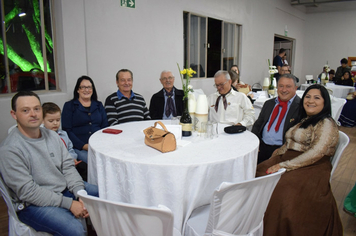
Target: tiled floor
[342, 182]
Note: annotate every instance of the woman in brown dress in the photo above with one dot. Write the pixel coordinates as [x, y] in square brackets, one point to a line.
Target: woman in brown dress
[302, 202]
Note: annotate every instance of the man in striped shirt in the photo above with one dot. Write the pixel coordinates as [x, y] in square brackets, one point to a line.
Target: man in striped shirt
[125, 105]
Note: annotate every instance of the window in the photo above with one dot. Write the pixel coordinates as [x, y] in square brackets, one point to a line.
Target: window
[209, 44]
[26, 46]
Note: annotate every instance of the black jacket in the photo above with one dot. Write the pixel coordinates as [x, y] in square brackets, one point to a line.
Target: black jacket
[157, 104]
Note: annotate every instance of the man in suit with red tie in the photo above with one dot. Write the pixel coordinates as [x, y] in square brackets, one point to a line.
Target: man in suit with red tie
[277, 116]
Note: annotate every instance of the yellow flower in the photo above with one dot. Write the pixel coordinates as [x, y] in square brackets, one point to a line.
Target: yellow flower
[190, 72]
[185, 75]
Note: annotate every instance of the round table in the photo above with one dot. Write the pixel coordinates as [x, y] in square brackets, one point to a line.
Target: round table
[304, 86]
[340, 91]
[127, 170]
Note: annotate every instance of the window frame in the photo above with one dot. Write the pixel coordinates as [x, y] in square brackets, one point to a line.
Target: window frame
[236, 43]
[187, 42]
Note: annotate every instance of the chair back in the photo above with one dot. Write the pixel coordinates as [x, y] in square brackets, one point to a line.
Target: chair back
[336, 107]
[308, 77]
[238, 208]
[11, 128]
[330, 91]
[16, 227]
[256, 87]
[343, 142]
[300, 93]
[123, 219]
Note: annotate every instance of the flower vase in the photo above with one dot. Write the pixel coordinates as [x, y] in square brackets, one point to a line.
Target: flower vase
[186, 120]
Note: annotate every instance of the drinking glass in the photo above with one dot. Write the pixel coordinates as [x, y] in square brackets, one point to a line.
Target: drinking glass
[215, 129]
[202, 132]
[209, 130]
[175, 120]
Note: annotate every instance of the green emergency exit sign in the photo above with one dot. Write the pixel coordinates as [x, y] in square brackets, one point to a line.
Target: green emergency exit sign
[128, 3]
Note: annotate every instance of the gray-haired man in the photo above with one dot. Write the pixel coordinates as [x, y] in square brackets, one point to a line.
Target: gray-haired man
[168, 102]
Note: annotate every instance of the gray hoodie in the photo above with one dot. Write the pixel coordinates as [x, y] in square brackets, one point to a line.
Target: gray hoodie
[36, 171]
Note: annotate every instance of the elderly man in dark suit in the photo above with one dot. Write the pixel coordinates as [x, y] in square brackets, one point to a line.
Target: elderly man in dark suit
[168, 102]
[277, 116]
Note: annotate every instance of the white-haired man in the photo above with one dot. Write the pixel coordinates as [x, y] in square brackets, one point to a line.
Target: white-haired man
[168, 102]
[227, 105]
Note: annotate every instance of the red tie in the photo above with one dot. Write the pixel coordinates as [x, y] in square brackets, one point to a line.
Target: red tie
[284, 106]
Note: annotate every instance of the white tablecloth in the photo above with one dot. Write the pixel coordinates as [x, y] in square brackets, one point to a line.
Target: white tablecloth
[340, 91]
[304, 86]
[127, 170]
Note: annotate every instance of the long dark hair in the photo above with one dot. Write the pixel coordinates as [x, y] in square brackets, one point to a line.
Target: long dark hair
[324, 113]
[347, 72]
[234, 76]
[94, 96]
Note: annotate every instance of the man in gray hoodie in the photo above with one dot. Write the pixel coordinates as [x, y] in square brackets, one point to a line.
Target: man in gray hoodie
[40, 174]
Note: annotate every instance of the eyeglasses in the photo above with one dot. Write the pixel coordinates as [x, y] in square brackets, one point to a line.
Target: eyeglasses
[220, 85]
[85, 87]
[165, 78]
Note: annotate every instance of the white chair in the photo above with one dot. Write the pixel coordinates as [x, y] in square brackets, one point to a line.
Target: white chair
[343, 142]
[336, 107]
[11, 128]
[256, 87]
[123, 219]
[300, 93]
[308, 77]
[330, 91]
[235, 208]
[16, 227]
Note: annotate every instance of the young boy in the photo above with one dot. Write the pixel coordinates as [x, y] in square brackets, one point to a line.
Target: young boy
[52, 121]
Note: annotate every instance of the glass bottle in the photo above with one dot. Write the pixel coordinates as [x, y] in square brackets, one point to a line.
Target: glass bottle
[186, 120]
[271, 88]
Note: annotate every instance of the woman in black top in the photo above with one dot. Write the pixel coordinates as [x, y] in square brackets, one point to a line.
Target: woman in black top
[346, 79]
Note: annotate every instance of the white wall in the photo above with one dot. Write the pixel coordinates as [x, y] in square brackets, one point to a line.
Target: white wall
[330, 38]
[97, 38]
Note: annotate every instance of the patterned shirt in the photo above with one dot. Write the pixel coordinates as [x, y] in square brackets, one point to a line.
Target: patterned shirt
[122, 109]
[314, 141]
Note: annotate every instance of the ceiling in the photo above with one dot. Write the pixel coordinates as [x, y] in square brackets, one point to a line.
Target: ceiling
[315, 6]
